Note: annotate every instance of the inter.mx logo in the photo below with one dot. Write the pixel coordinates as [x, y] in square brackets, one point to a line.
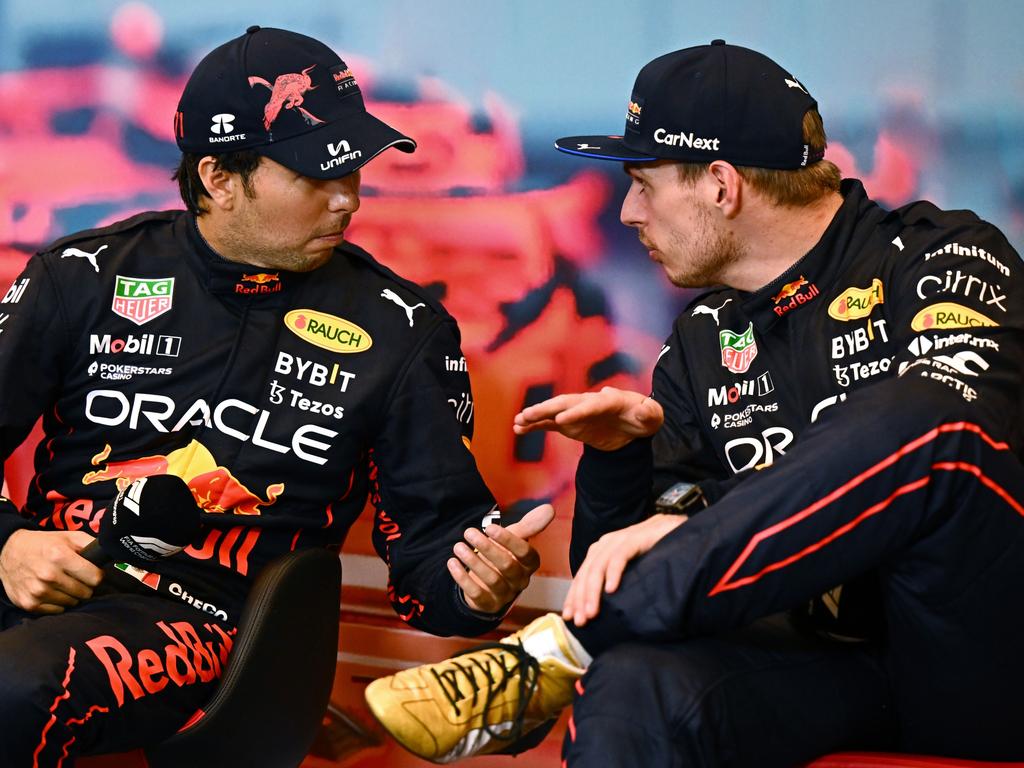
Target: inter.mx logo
[142, 299]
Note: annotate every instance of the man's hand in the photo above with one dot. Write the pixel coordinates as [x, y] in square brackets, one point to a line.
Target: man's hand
[607, 559]
[498, 563]
[606, 420]
[42, 571]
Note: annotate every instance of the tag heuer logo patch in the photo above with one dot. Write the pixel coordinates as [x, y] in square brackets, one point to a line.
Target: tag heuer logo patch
[141, 299]
[738, 349]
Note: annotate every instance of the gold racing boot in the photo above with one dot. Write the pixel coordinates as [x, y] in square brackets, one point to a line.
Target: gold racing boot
[482, 700]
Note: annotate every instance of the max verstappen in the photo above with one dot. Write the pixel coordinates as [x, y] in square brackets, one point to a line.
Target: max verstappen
[833, 552]
[245, 347]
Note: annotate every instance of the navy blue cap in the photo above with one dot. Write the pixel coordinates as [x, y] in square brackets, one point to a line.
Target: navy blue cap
[710, 102]
[286, 96]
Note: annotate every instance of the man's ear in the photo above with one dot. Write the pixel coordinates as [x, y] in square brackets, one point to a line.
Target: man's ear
[222, 187]
[727, 187]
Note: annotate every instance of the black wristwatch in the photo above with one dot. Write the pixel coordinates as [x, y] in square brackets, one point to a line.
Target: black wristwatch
[681, 499]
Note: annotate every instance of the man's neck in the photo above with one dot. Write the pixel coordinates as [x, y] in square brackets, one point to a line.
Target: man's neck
[777, 237]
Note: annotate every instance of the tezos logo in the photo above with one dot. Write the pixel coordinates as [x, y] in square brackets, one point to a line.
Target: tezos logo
[223, 123]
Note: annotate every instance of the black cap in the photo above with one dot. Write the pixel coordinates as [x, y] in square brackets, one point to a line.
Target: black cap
[710, 102]
[286, 96]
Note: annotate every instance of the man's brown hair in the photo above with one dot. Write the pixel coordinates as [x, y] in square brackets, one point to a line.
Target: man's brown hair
[795, 187]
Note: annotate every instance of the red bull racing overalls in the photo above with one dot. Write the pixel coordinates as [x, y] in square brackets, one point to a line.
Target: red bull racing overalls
[283, 399]
[856, 426]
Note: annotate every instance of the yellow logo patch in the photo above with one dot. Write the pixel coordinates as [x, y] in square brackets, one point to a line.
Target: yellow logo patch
[327, 331]
[857, 303]
[946, 315]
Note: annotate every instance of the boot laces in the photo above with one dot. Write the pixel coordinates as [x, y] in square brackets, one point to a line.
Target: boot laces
[488, 670]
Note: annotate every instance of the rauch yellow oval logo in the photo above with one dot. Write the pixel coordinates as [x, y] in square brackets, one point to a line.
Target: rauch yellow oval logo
[947, 315]
[327, 331]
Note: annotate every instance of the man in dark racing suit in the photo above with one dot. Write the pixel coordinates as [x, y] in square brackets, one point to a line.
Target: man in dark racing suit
[282, 373]
[834, 546]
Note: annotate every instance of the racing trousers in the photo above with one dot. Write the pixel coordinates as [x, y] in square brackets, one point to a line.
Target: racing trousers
[116, 672]
[688, 672]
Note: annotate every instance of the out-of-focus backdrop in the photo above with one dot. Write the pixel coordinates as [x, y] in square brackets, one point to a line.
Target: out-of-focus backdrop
[921, 98]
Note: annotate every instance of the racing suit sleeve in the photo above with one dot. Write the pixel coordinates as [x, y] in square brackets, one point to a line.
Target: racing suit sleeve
[958, 318]
[866, 481]
[32, 335]
[615, 489]
[427, 489]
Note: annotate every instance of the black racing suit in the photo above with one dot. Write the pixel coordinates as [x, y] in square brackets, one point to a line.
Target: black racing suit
[283, 399]
[857, 427]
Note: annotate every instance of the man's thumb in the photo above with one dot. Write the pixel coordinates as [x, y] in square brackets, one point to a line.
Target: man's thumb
[533, 522]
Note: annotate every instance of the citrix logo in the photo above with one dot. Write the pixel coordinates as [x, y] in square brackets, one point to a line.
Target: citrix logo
[223, 123]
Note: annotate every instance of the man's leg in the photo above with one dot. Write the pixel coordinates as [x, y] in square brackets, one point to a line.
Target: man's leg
[113, 674]
[763, 696]
[928, 499]
[931, 502]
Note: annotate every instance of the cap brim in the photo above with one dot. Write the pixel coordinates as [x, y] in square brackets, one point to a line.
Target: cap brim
[600, 148]
[338, 148]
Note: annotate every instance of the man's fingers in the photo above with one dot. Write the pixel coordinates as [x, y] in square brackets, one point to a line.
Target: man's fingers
[544, 425]
[518, 548]
[533, 522]
[85, 572]
[546, 409]
[471, 588]
[500, 558]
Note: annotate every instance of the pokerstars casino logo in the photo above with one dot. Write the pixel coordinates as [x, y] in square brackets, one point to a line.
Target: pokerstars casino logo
[142, 299]
[327, 331]
[738, 349]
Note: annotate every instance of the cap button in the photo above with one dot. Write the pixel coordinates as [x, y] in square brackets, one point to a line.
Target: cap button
[253, 28]
[718, 42]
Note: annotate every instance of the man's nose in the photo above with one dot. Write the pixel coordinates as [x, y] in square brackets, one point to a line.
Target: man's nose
[630, 212]
[343, 194]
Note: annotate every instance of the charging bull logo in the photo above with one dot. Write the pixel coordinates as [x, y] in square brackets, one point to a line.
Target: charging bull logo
[286, 93]
[214, 488]
[790, 289]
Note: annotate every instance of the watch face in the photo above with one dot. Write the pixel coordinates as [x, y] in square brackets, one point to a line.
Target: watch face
[681, 498]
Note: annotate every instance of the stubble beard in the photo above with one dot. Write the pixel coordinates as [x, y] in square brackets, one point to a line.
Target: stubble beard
[713, 251]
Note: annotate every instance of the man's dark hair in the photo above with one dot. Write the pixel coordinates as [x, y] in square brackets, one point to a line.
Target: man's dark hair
[796, 187]
[244, 163]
